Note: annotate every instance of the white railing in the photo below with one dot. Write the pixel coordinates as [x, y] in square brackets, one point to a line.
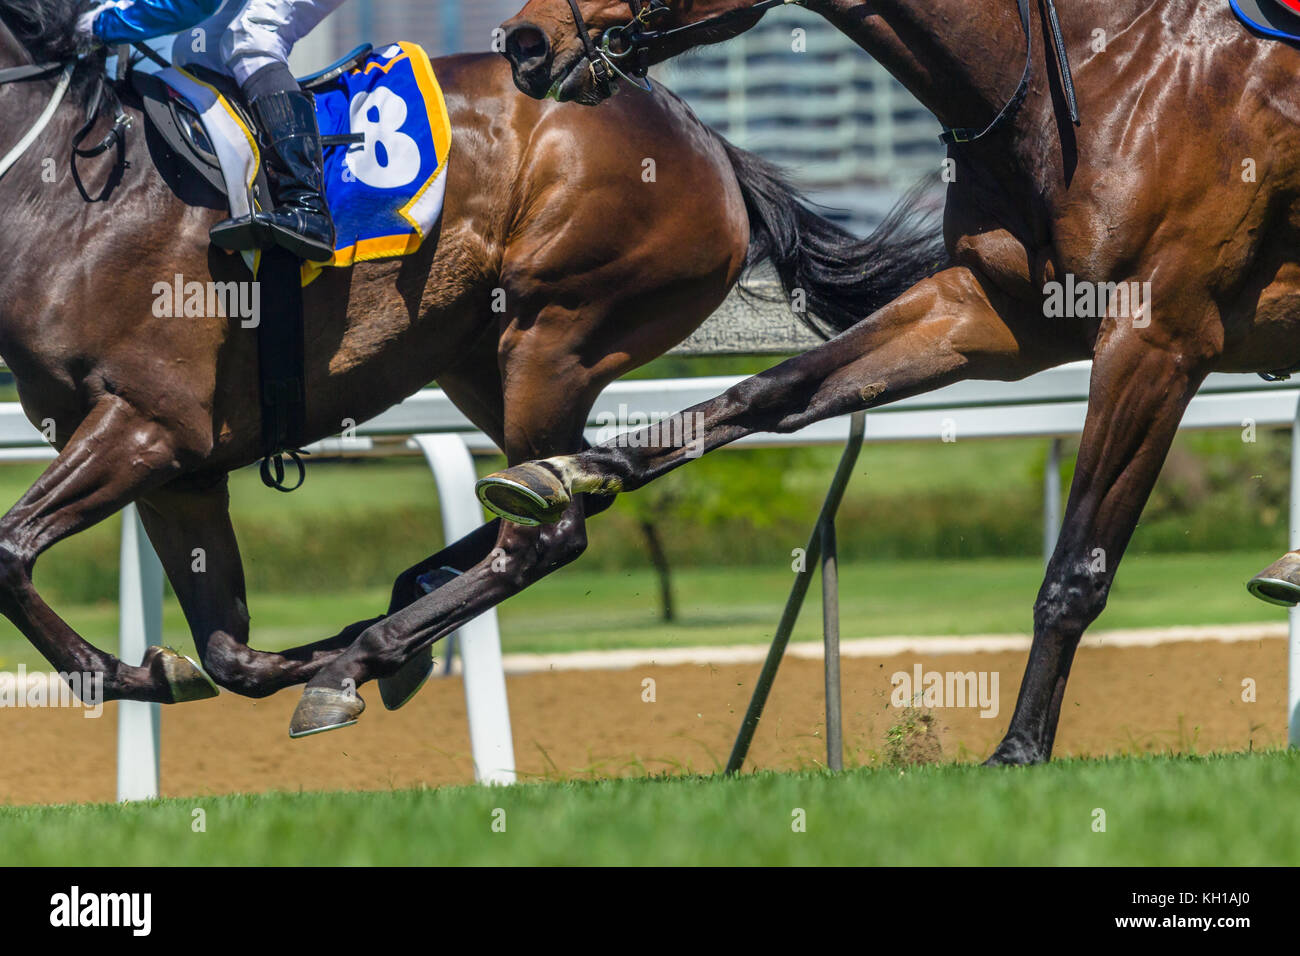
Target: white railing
[1050, 405]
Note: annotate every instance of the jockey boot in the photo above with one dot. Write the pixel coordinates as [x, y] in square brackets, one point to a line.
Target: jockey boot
[301, 221]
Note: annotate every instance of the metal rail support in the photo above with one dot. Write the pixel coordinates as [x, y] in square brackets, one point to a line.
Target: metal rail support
[831, 644]
[803, 578]
[1293, 616]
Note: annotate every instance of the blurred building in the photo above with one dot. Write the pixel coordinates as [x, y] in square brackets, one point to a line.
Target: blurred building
[440, 26]
[793, 89]
[814, 102]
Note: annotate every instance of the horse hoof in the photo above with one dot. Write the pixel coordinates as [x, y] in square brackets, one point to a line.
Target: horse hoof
[528, 494]
[184, 676]
[324, 708]
[1279, 583]
[1013, 753]
[397, 691]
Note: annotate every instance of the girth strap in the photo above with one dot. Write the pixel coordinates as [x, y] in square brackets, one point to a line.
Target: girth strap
[281, 356]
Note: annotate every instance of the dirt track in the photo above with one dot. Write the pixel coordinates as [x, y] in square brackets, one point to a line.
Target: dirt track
[1179, 697]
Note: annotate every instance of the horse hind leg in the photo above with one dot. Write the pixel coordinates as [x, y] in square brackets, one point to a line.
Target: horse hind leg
[476, 388]
[189, 526]
[111, 457]
[439, 570]
[398, 689]
[184, 519]
[944, 329]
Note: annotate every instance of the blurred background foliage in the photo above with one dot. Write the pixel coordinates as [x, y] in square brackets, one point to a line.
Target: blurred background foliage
[357, 523]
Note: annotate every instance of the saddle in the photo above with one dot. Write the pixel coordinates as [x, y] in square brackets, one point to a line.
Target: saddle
[386, 137]
[181, 125]
[1279, 19]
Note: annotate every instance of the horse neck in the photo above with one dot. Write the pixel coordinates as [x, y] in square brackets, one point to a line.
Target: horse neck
[961, 58]
[22, 102]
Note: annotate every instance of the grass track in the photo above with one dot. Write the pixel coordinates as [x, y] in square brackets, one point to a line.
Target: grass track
[1224, 810]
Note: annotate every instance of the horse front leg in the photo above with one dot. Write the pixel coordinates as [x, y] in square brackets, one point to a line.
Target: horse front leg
[189, 526]
[113, 456]
[1139, 391]
[545, 394]
[522, 556]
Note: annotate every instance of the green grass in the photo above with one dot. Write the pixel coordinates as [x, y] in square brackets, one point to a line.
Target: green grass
[324, 557]
[574, 610]
[1223, 810]
[577, 610]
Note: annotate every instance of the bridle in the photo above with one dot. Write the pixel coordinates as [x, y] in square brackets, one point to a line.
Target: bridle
[33, 71]
[627, 50]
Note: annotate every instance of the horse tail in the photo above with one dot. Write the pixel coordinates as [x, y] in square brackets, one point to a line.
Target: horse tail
[843, 278]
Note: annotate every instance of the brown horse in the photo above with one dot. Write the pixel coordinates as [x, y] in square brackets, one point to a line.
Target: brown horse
[1184, 173]
[549, 214]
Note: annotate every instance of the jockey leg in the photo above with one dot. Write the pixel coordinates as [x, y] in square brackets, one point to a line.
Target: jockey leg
[255, 47]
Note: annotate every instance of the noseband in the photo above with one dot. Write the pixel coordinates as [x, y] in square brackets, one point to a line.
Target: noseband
[626, 50]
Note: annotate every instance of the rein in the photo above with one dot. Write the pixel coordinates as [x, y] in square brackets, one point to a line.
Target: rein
[626, 51]
[18, 73]
[968, 134]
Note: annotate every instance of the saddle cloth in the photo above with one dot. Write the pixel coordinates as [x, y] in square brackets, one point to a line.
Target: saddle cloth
[1279, 19]
[386, 192]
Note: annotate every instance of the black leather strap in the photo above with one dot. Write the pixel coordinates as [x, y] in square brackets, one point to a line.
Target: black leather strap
[599, 68]
[969, 134]
[115, 136]
[281, 357]
[29, 71]
[1063, 61]
[149, 53]
[950, 137]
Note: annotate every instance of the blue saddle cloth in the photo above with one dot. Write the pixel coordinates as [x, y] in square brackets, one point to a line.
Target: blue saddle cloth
[387, 192]
[1279, 19]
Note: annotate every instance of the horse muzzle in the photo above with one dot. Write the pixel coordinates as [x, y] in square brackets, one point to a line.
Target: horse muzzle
[531, 57]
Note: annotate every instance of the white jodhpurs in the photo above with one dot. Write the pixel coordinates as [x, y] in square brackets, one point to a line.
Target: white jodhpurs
[245, 35]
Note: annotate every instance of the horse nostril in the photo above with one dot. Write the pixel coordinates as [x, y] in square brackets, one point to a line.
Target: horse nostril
[526, 43]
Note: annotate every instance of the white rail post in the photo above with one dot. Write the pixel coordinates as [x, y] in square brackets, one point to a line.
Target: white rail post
[479, 641]
[140, 594]
[1293, 644]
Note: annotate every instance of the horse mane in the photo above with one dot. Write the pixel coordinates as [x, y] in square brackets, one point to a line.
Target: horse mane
[47, 28]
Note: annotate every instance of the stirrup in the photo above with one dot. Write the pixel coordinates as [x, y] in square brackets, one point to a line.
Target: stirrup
[300, 245]
[240, 234]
